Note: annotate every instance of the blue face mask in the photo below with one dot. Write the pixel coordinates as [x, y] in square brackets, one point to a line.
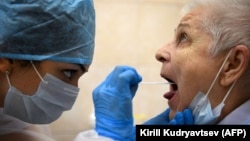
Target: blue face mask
[52, 98]
[201, 107]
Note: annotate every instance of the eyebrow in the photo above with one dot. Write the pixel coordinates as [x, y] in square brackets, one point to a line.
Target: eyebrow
[82, 68]
[182, 25]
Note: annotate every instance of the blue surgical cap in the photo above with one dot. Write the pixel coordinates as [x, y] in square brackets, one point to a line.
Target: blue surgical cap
[59, 30]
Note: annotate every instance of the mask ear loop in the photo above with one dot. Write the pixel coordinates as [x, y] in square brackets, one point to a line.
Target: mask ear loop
[38, 73]
[7, 77]
[217, 75]
[229, 91]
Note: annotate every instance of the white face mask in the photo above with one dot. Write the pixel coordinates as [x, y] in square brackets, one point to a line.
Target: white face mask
[52, 98]
[201, 107]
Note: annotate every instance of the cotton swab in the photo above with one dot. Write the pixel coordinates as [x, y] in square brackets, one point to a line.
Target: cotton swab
[155, 83]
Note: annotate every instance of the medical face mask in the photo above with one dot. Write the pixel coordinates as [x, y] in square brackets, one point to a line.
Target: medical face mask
[52, 98]
[201, 107]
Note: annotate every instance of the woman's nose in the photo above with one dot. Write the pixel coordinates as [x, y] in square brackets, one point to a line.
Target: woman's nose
[162, 54]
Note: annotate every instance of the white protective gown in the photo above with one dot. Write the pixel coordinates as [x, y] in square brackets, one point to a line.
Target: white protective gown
[17, 130]
[12, 129]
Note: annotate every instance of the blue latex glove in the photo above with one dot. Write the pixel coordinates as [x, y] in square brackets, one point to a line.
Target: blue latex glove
[181, 118]
[113, 104]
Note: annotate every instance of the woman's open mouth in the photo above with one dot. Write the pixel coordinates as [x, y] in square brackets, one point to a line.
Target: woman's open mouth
[173, 89]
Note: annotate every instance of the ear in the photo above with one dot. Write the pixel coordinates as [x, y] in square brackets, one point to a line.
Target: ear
[5, 65]
[236, 65]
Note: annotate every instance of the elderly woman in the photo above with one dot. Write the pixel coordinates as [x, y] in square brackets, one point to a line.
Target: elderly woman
[208, 62]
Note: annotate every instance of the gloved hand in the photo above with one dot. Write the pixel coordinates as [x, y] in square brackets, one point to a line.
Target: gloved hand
[181, 118]
[113, 104]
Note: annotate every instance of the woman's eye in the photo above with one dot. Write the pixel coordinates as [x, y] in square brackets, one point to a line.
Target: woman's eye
[182, 38]
[69, 73]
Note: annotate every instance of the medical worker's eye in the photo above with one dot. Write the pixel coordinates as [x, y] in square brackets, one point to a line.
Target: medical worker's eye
[69, 73]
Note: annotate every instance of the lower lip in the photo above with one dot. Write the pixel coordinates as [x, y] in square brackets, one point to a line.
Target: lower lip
[169, 95]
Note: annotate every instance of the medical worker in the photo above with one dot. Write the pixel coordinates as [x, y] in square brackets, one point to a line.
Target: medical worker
[45, 47]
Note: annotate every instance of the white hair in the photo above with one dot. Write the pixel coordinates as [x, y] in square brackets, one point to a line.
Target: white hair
[227, 21]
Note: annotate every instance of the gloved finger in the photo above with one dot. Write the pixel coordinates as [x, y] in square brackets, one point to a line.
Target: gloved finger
[188, 117]
[131, 76]
[111, 81]
[173, 122]
[129, 80]
[179, 119]
[97, 92]
[113, 77]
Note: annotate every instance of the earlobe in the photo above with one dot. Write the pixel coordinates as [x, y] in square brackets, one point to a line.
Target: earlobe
[236, 65]
[4, 65]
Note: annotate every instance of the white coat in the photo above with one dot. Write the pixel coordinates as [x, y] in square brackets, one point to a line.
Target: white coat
[13, 129]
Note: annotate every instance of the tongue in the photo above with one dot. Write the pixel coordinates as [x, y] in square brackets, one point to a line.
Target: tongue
[169, 95]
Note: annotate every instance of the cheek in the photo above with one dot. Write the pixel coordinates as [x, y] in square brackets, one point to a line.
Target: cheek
[193, 78]
[180, 60]
[74, 82]
[188, 80]
[27, 84]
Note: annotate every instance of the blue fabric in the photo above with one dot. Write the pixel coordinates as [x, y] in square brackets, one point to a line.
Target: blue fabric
[59, 30]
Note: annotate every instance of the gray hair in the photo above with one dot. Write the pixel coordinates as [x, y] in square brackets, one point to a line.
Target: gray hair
[227, 21]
